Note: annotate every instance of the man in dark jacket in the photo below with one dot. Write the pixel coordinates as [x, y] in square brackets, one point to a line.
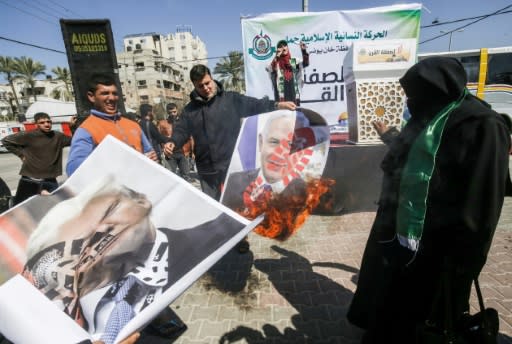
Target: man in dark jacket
[150, 129]
[213, 117]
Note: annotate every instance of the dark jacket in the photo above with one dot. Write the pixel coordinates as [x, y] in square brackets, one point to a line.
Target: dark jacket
[153, 135]
[214, 124]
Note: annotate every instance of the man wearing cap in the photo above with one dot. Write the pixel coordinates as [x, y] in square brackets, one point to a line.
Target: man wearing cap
[40, 151]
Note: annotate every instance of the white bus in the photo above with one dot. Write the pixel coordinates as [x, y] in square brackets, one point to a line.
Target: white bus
[489, 73]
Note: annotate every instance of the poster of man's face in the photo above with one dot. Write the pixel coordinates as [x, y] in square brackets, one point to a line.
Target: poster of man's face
[116, 234]
[275, 150]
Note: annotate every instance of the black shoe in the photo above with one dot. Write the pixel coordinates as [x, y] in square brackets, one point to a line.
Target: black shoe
[243, 246]
[171, 329]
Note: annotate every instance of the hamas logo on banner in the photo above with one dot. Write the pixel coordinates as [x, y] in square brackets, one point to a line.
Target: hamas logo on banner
[262, 48]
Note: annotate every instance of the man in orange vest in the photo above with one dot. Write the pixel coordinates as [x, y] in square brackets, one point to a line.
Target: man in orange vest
[105, 120]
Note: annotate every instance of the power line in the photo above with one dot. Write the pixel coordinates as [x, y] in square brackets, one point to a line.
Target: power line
[464, 26]
[66, 9]
[30, 14]
[39, 9]
[478, 18]
[460, 20]
[31, 45]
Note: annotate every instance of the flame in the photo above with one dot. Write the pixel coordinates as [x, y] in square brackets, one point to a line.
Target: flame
[287, 211]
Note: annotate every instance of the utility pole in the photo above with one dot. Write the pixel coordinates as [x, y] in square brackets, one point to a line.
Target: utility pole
[305, 5]
[450, 39]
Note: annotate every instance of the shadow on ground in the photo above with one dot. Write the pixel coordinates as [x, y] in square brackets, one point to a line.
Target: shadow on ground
[320, 302]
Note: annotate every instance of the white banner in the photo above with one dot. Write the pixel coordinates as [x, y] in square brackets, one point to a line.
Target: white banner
[328, 36]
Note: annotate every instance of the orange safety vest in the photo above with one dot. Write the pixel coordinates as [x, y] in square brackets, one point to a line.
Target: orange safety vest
[123, 129]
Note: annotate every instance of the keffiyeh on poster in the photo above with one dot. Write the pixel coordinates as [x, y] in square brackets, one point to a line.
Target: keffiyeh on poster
[121, 222]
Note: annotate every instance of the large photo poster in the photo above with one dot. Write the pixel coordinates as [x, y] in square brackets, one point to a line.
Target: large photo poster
[315, 45]
[276, 170]
[120, 228]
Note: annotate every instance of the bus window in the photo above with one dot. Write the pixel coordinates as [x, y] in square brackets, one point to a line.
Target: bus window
[472, 66]
[499, 69]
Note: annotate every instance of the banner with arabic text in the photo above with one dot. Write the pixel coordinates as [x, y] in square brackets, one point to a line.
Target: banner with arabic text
[327, 37]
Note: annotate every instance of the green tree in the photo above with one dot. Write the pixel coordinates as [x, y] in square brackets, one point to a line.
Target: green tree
[63, 74]
[28, 69]
[230, 71]
[7, 68]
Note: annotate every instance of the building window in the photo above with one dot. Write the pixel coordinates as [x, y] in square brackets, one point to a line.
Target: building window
[139, 66]
[130, 42]
[142, 84]
[128, 48]
[138, 46]
[144, 98]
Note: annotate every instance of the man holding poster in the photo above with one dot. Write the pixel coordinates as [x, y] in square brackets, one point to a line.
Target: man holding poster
[212, 118]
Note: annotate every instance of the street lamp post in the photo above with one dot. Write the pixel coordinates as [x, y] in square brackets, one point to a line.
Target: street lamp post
[450, 39]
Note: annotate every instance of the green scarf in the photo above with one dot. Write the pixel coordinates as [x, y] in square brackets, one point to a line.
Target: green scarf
[416, 175]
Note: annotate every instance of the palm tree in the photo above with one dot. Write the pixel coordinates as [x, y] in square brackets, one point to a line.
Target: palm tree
[230, 71]
[28, 69]
[64, 75]
[7, 68]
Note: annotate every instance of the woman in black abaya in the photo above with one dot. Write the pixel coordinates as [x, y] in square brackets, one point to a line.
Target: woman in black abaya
[443, 188]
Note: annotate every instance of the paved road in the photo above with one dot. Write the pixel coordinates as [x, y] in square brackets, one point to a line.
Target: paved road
[298, 291]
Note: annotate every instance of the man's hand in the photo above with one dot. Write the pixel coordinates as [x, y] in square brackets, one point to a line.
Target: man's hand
[152, 155]
[168, 148]
[380, 127]
[286, 106]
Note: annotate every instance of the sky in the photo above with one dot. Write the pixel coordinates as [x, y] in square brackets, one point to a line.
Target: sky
[217, 22]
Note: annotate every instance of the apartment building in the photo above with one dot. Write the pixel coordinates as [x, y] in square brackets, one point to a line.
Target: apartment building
[153, 68]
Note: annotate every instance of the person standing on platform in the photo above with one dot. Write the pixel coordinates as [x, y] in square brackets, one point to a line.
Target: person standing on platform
[286, 73]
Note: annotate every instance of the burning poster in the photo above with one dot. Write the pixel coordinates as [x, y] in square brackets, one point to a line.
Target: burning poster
[140, 235]
[276, 170]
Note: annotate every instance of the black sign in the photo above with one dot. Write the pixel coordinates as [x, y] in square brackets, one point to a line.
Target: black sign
[90, 49]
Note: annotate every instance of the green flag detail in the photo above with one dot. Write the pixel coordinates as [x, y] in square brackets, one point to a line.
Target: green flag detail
[415, 179]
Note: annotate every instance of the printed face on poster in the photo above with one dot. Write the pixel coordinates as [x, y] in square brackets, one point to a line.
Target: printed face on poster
[277, 168]
[106, 230]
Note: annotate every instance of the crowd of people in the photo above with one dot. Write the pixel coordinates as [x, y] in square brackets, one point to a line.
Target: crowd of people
[445, 179]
